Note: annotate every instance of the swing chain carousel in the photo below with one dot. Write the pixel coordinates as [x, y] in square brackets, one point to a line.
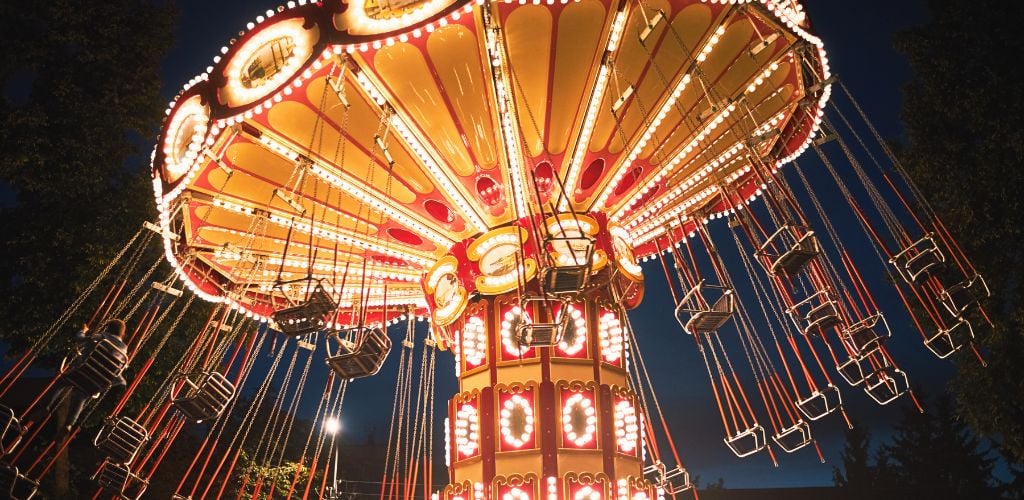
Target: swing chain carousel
[499, 169]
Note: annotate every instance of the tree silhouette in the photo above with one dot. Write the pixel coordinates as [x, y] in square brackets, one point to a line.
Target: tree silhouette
[964, 120]
[858, 477]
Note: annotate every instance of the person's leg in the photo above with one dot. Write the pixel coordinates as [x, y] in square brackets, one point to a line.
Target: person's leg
[75, 408]
[39, 412]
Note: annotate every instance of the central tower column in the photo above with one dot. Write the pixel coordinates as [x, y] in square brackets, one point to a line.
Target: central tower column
[536, 418]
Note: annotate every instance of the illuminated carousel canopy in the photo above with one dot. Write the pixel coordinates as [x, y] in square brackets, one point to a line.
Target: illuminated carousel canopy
[358, 143]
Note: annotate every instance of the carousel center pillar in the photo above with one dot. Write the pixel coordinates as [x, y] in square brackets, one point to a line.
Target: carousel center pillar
[544, 408]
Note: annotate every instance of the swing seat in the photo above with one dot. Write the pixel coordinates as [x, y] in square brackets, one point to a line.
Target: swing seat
[203, 396]
[352, 361]
[672, 481]
[948, 341]
[16, 485]
[852, 370]
[119, 480]
[120, 439]
[747, 442]
[95, 370]
[11, 430]
[885, 385]
[568, 273]
[307, 317]
[820, 402]
[921, 258]
[655, 473]
[696, 313]
[540, 334]
[868, 334]
[789, 250]
[815, 314]
[794, 437]
[676, 480]
[964, 294]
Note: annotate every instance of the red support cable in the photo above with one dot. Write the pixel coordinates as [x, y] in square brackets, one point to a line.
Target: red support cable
[192, 465]
[110, 305]
[231, 470]
[39, 398]
[60, 450]
[131, 388]
[23, 360]
[147, 320]
[95, 315]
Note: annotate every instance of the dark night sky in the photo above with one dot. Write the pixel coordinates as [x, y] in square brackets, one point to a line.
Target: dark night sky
[858, 37]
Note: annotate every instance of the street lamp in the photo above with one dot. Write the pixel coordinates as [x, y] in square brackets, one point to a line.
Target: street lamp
[332, 426]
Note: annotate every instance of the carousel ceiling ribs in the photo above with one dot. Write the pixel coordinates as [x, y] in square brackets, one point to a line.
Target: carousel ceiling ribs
[624, 204]
[349, 238]
[423, 149]
[667, 100]
[505, 102]
[466, 145]
[670, 204]
[326, 261]
[741, 103]
[250, 203]
[373, 200]
[580, 140]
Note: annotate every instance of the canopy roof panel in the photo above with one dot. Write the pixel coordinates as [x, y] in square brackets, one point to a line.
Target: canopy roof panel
[343, 140]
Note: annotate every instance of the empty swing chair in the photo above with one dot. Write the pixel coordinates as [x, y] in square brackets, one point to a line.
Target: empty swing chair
[794, 437]
[788, 250]
[852, 370]
[705, 308]
[815, 314]
[886, 384]
[821, 402]
[306, 316]
[120, 439]
[964, 294]
[119, 480]
[747, 442]
[918, 260]
[948, 341]
[360, 358]
[97, 368]
[570, 257]
[11, 430]
[530, 332]
[17, 485]
[672, 481]
[202, 395]
[867, 335]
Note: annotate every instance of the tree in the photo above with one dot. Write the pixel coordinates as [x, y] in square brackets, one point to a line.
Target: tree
[80, 92]
[933, 455]
[857, 478]
[964, 120]
[80, 103]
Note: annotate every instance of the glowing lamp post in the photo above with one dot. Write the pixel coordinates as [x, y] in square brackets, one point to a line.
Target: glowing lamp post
[332, 426]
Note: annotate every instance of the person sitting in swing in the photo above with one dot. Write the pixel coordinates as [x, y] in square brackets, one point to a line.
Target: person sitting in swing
[112, 332]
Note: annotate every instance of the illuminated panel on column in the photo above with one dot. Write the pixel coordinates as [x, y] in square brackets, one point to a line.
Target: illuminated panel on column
[511, 350]
[579, 419]
[516, 493]
[516, 421]
[587, 492]
[474, 343]
[574, 342]
[627, 427]
[467, 431]
[610, 338]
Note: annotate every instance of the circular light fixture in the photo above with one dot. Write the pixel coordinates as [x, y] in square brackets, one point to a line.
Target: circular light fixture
[516, 421]
[579, 420]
